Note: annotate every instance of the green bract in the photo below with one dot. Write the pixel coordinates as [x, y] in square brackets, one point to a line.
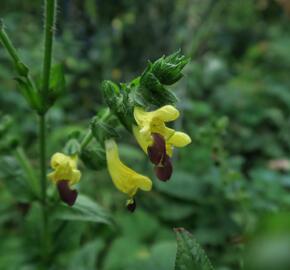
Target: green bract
[149, 90]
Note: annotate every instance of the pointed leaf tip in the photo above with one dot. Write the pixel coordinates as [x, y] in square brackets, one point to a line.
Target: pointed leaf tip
[190, 254]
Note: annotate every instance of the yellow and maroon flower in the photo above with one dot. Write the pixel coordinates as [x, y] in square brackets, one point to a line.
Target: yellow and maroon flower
[65, 175]
[157, 140]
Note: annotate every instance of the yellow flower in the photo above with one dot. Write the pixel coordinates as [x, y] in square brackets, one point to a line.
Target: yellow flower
[65, 168]
[125, 179]
[156, 139]
[65, 175]
[154, 122]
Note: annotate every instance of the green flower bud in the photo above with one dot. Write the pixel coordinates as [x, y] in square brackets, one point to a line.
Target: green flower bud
[168, 69]
[120, 102]
[151, 88]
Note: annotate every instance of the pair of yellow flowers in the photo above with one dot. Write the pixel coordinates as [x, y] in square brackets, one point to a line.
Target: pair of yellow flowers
[154, 138]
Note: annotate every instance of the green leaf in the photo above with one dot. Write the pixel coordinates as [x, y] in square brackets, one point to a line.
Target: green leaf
[72, 147]
[103, 130]
[94, 158]
[85, 209]
[154, 92]
[57, 80]
[190, 255]
[22, 69]
[14, 180]
[33, 225]
[28, 92]
[183, 186]
[85, 258]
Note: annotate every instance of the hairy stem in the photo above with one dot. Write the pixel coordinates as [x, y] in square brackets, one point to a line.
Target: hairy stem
[50, 7]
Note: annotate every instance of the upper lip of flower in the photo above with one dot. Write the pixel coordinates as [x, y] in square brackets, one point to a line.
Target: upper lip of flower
[65, 175]
[154, 122]
[65, 168]
[125, 179]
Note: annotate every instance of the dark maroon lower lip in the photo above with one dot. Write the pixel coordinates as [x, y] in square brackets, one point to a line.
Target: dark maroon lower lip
[164, 170]
[66, 194]
[157, 150]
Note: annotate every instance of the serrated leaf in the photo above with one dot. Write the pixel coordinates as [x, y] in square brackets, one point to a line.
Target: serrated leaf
[190, 255]
[153, 92]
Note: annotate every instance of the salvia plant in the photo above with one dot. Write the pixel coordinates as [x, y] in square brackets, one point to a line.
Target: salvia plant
[144, 107]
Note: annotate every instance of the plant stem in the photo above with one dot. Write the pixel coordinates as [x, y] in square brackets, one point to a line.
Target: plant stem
[42, 151]
[50, 7]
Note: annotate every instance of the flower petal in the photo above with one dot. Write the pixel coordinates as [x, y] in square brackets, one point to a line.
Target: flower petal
[164, 171]
[157, 150]
[166, 113]
[66, 194]
[142, 140]
[57, 159]
[179, 139]
[125, 179]
[143, 182]
[65, 167]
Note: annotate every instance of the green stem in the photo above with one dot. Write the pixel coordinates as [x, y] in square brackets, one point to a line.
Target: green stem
[42, 151]
[50, 7]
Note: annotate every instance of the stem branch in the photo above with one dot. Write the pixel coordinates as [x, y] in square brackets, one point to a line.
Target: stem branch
[8, 44]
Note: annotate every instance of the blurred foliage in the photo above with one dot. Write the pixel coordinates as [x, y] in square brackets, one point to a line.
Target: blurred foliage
[230, 188]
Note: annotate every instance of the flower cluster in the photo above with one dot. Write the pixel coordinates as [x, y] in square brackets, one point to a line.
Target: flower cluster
[129, 105]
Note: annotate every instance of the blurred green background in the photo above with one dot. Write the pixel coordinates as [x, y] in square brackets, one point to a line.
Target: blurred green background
[230, 187]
